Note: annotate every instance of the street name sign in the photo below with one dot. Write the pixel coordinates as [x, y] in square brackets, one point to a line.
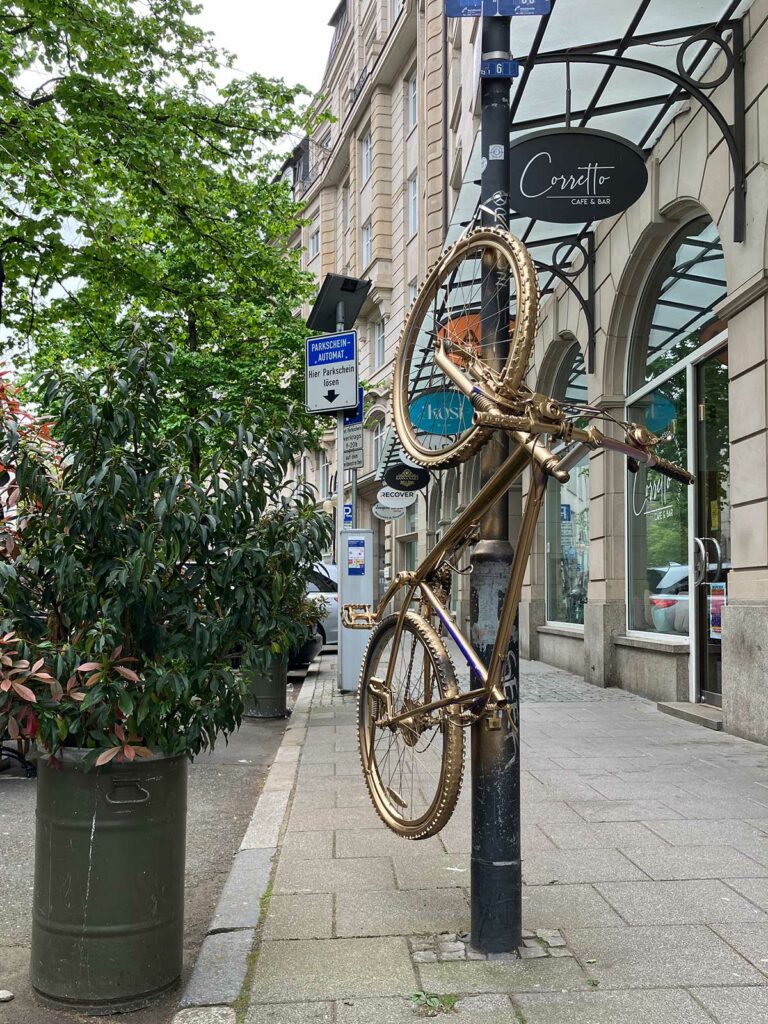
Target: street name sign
[331, 373]
[495, 8]
[499, 69]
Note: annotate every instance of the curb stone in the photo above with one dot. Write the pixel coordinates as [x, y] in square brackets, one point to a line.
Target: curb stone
[223, 961]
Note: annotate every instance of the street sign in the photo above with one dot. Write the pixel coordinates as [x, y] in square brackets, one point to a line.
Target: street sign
[353, 446]
[356, 415]
[393, 498]
[386, 513]
[499, 69]
[347, 515]
[495, 8]
[331, 373]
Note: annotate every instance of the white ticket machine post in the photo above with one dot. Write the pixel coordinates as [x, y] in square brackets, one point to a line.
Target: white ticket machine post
[356, 569]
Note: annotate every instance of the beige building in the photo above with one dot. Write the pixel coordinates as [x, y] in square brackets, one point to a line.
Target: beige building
[659, 316]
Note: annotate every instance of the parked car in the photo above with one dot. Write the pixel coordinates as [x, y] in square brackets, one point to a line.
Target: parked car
[669, 598]
[324, 581]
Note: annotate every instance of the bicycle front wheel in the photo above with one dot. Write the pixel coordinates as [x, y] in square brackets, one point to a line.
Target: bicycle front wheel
[483, 285]
[413, 769]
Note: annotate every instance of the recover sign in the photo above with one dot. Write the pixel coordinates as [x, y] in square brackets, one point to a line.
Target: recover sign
[331, 373]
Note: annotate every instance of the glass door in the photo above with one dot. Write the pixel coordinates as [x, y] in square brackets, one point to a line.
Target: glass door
[712, 541]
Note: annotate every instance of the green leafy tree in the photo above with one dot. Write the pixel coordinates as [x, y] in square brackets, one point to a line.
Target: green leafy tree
[140, 200]
[135, 582]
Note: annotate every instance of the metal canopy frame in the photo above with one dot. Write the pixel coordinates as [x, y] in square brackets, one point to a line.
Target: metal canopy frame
[696, 47]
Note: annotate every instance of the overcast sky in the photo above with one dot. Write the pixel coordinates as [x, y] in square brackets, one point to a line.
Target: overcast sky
[256, 31]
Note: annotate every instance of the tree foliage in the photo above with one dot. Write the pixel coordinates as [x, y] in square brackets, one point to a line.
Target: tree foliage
[140, 200]
[135, 580]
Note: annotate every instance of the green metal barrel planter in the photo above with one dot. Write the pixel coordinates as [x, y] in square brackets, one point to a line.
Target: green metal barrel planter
[266, 696]
[108, 915]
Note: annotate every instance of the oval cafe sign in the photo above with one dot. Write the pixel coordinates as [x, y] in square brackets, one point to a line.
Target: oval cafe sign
[573, 175]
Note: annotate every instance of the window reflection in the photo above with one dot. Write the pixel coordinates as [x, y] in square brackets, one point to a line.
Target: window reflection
[658, 519]
[678, 309]
[567, 514]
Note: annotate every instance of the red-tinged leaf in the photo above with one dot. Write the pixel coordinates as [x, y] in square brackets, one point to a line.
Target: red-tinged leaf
[144, 752]
[127, 673]
[77, 695]
[106, 756]
[93, 679]
[129, 752]
[7, 638]
[25, 693]
[88, 666]
[44, 676]
[37, 666]
[72, 682]
[116, 653]
[120, 733]
[5, 685]
[13, 728]
[57, 690]
[6, 660]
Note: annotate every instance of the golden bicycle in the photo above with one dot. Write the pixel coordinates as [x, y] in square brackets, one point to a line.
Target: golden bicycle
[449, 394]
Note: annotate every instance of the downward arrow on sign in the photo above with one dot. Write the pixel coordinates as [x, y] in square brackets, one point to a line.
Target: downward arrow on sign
[330, 396]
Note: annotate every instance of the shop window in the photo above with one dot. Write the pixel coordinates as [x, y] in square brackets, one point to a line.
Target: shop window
[678, 309]
[658, 518]
[677, 315]
[567, 514]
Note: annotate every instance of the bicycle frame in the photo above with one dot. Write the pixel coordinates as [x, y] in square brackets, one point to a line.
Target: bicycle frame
[455, 538]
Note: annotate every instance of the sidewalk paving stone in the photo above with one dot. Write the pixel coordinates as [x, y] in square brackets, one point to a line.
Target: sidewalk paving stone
[332, 969]
[751, 940]
[566, 906]
[378, 842]
[481, 976]
[206, 1015]
[442, 870]
[670, 1007]
[677, 862]
[623, 810]
[402, 913]
[489, 1009]
[318, 820]
[735, 1005]
[608, 835]
[292, 1013]
[660, 957]
[755, 889]
[704, 833]
[306, 846]
[708, 901]
[571, 866]
[300, 917]
[362, 874]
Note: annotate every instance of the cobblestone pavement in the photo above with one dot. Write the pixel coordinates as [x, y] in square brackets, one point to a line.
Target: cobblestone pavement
[645, 866]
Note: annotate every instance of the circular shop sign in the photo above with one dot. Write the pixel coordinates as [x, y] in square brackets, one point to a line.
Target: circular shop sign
[385, 513]
[394, 498]
[573, 175]
[405, 478]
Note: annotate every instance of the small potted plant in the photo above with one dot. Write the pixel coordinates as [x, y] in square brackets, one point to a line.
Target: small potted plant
[136, 573]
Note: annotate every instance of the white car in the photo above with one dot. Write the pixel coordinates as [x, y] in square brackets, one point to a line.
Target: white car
[324, 581]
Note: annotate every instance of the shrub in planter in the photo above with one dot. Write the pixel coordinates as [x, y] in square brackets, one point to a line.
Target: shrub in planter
[138, 572]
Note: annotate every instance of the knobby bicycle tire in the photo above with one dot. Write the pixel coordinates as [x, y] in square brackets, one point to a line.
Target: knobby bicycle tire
[443, 803]
[521, 342]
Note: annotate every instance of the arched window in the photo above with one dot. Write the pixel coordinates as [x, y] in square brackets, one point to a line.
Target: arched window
[676, 320]
[567, 514]
[377, 442]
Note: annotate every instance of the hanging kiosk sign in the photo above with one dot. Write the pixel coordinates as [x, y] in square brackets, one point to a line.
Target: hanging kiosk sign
[394, 498]
[387, 514]
[573, 175]
[406, 478]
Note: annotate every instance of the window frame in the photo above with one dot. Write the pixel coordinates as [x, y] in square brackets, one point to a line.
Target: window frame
[313, 245]
[412, 205]
[411, 102]
[379, 343]
[366, 157]
[366, 243]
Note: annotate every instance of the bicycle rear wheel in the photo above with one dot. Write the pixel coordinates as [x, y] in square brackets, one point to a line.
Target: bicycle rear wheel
[485, 280]
[413, 769]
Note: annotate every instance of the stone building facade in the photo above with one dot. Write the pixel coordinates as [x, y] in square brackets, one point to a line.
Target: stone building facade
[632, 582]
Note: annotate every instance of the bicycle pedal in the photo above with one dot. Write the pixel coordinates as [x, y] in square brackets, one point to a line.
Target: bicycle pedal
[357, 616]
